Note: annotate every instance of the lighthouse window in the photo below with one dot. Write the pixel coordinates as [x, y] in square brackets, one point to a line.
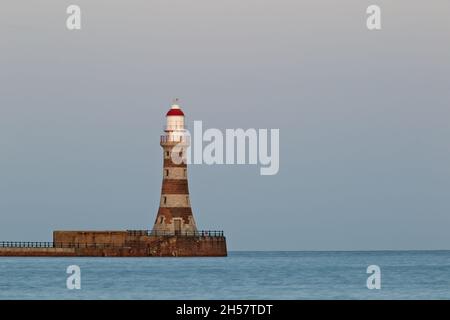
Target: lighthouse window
[165, 200]
[161, 220]
[185, 172]
[167, 154]
[167, 172]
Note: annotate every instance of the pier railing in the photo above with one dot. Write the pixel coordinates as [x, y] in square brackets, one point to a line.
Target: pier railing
[29, 244]
[164, 233]
[25, 244]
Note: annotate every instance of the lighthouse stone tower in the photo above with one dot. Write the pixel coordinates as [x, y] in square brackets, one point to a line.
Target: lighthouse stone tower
[175, 213]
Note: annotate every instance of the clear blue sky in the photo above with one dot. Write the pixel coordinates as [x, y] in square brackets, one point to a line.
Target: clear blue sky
[363, 118]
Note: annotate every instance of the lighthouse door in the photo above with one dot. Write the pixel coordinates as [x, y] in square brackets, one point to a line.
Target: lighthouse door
[177, 225]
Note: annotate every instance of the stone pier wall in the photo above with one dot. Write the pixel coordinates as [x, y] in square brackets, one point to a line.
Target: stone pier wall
[123, 244]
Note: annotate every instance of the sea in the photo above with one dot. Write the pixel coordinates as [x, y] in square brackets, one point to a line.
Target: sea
[241, 275]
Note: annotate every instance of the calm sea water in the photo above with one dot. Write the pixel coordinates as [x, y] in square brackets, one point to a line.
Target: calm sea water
[242, 275]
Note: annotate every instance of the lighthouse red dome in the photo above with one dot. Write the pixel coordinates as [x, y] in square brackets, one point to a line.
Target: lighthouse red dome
[175, 112]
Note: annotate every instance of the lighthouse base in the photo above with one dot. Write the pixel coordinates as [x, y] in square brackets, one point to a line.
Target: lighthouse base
[119, 244]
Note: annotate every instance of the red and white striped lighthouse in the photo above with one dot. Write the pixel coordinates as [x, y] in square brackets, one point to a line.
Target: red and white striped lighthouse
[175, 213]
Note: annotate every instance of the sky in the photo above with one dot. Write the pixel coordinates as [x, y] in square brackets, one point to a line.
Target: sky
[363, 118]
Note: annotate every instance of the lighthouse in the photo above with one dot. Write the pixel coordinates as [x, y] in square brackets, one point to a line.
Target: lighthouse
[175, 212]
[174, 233]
